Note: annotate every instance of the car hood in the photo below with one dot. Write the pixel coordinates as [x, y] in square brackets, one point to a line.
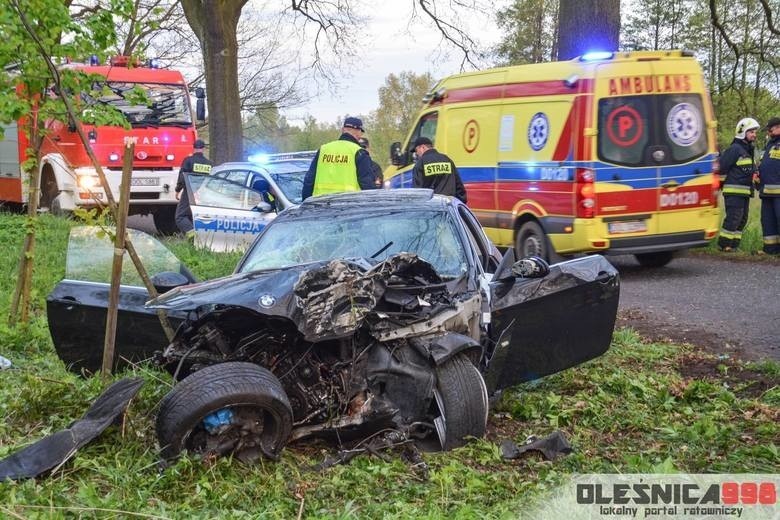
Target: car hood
[328, 299]
[269, 292]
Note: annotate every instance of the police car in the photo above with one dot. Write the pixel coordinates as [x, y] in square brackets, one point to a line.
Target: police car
[238, 199]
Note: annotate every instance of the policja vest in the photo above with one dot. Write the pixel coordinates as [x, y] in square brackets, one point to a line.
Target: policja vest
[336, 168]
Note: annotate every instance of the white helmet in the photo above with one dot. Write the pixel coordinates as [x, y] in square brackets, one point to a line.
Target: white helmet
[744, 125]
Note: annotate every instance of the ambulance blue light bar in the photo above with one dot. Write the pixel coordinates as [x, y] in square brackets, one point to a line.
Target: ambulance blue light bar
[597, 56]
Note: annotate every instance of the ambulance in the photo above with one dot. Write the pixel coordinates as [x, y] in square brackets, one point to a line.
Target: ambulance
[611, 153]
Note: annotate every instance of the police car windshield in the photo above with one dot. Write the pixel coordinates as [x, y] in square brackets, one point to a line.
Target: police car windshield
[431, 235]
[291, 185]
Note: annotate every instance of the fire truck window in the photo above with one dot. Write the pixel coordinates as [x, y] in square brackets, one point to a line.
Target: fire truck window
[624, 129]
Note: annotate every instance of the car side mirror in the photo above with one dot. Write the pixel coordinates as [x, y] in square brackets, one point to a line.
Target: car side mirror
[531, 267]
[396, 155]
[200, 104]
[167, 280]
[264, 207]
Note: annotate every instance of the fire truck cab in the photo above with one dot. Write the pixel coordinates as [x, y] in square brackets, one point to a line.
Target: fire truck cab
[611, 153]
[165, 132]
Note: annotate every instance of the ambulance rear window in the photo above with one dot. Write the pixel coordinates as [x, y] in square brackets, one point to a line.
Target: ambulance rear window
[633, 128]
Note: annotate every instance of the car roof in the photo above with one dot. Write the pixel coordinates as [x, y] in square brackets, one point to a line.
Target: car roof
[265, 167]
[374, 201]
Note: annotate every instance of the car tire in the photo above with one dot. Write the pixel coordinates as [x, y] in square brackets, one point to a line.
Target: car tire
[165, 220]
[461, 398]
[261, 416]
[531, 241]
[652, 260]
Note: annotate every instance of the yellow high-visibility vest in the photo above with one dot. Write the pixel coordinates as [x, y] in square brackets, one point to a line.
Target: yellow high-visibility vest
[336, 168]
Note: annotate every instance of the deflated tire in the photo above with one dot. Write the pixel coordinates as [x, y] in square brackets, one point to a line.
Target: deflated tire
[231, 408]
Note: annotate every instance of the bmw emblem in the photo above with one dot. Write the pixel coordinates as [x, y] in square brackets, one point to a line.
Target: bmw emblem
[267, 300]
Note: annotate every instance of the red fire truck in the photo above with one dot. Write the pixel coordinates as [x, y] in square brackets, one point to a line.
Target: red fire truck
[164, 127]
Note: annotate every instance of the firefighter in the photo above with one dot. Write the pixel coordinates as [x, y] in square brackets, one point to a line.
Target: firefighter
[738, 166]
[195, 163]
[436, 171]
[340, 165]
[379, 178]
[769, 189]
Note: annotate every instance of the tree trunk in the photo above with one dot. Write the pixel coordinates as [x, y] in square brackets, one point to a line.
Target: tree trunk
[215, 22]
[588, 25]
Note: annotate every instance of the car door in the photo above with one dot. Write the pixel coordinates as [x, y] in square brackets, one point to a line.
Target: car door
[76, 307]
[225, 215]
[540, 326]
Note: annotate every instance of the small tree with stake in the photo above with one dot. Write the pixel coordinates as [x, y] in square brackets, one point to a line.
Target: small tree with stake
[37, 34]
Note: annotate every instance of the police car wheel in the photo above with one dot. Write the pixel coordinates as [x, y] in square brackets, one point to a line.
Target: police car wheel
[531, 241]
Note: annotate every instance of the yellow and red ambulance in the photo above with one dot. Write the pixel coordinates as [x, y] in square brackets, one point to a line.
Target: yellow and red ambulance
[612, 153]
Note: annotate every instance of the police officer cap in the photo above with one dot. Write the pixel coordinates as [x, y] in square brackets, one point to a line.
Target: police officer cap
[199, 143]
[774, 121]
[353, 122]
[422, 140]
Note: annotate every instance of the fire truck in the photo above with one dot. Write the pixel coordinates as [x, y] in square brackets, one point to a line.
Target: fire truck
[610, 153]
[164, 127]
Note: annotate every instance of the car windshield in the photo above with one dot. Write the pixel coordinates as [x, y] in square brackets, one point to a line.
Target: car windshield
[291, 185]
[429, 234]
[146, 104]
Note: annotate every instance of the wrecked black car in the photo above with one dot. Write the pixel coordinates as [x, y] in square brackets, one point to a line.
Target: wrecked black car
[349, 314]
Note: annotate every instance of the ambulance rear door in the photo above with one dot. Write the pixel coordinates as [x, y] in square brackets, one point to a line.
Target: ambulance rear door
[655, 169]
[626, 176]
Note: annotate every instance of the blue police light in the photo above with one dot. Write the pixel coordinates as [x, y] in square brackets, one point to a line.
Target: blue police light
[94, 60]
[596, 56]
[259, 158]
[154, 63]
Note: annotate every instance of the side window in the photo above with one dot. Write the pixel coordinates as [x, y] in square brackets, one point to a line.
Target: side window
[220, 193]
[426, 127]
[237, 176]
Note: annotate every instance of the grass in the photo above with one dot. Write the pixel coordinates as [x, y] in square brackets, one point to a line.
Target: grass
[635, 409]
[752, 238]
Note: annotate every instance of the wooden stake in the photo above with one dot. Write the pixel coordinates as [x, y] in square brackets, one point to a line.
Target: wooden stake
[119, 253]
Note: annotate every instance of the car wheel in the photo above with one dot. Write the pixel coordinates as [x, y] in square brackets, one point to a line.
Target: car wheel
[531, 241]
[461, 397]
[659, 259]
[229, 408]
[165, 220]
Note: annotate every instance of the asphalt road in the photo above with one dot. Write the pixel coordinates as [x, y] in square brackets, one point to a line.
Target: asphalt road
[728, 306]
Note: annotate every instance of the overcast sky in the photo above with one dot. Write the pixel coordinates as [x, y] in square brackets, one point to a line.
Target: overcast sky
[393, 47]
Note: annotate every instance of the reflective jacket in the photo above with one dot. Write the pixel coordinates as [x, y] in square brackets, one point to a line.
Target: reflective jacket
[437, 171]
[347, 167]
[737, 166]
[769, 170]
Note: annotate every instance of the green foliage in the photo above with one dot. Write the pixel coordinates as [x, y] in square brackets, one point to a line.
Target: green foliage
[530, 29]
[631, 410]
[400, 98]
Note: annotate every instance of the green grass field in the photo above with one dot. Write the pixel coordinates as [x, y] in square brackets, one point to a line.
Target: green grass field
[642, 407]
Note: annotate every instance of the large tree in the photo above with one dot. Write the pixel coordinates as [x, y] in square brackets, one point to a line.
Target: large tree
[214, 22]
[588, 25]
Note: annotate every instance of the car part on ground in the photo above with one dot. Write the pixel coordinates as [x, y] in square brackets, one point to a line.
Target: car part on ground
[55, 449]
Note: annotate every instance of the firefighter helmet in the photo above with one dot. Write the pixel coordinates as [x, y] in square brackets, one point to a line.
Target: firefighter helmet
[744, 125]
